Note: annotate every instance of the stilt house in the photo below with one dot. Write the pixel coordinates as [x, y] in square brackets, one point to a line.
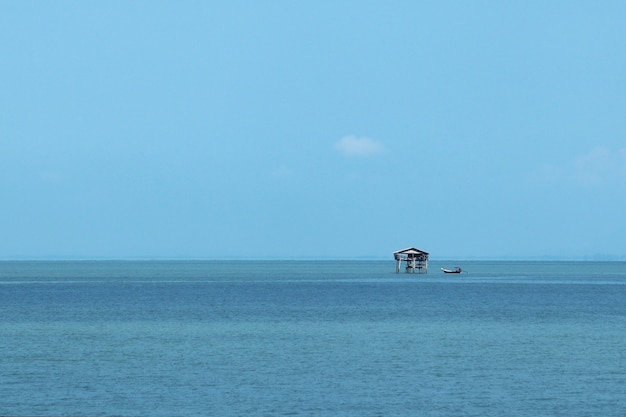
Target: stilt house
[416, 260]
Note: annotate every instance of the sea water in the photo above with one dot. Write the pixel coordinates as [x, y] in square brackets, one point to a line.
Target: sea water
[312, 338]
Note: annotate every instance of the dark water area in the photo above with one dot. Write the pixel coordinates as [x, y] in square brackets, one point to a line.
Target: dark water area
[312, 338]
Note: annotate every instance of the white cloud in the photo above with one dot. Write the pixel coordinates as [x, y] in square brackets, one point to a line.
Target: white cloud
[354, 146]
[599, 166]
[51, 177]
[595, 166]
[282, 172]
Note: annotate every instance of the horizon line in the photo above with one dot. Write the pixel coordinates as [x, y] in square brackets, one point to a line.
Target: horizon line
[583, 258]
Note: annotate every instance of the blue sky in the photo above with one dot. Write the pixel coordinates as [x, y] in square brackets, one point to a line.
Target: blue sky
[281, 129]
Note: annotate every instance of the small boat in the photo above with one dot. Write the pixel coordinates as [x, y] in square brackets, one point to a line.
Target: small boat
[456, 270]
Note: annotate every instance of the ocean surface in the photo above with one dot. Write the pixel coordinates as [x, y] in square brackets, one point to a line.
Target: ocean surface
[312, 338]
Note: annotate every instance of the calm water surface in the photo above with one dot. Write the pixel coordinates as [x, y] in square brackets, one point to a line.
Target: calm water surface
[318, 338]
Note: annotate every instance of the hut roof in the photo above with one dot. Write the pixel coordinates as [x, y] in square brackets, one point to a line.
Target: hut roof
[410, 251]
